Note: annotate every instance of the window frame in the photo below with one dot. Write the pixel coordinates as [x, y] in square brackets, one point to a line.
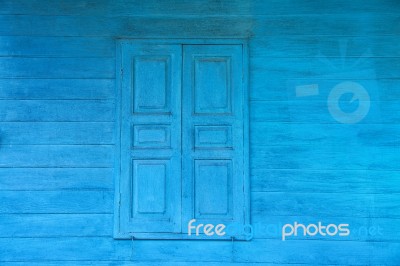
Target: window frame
[117, 233]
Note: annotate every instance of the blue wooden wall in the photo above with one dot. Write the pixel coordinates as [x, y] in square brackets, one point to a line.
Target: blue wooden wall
[57, 113]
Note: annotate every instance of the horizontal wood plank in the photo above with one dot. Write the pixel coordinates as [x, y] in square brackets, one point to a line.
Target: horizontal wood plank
[325, 157]
[261, 251]
[139, 26]
[328, 25]
[318, 252]
[128, 263]
[40, 67]
[55, 225]
[57, 110]
[303, 134]
[89, 201]
[56, 179]
[325, 68]
[19, 46]
[324, 46]
[57, 89]
[317, 112]
[125, 8]
[271, 88]
[53, 133]
[330, 181]
[325, 205]
[126, 26]
[194, 8]
[106, 248]
[56, 156]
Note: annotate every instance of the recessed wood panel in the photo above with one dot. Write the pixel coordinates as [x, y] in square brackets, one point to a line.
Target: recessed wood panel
[213, 137]
[151, 84]
[151, 136]
[212, 89]
[149, 187]
[213, 188]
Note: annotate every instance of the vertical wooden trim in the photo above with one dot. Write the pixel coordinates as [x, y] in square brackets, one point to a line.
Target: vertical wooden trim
[117, 135]
[246, 132]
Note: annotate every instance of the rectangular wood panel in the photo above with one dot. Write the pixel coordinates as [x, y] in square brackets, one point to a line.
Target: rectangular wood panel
[213, 189]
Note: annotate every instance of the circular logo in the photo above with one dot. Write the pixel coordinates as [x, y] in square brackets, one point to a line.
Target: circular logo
[359, 94]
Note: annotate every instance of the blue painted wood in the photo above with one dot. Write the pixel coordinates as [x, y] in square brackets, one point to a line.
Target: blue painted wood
[56, 156]
[150, 168]
[325, 180]
[325, 46]
[313, 112]
[50, 88]
[326, 204]
[11, 67]
[129, 26]
[53, 133]
[305, 166]
[151, 152]
[327, 157]
[56, 225]
[90, 201]
[128, 263]
[361, 135]
[267, 251]
[196, 8]
[278, 89]
[213, 135]
[57, 111]
[57, 178]
[56, 46]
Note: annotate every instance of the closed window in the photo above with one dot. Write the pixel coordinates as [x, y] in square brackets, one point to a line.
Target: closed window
[182, 139]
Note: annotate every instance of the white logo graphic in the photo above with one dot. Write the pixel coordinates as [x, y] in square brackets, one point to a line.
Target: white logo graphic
[313, 229]
[345, 69]
[359, 94]
[208, 229]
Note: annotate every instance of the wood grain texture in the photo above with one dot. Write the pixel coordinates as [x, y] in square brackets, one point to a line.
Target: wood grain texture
[283, 89]
[55, 225]
[326, 157]
[61, 89]
[354, 68]
[11, 67]
[57, 115]
[53, 133]
[316, 112]
[338, 25]
[56, 156]
[194, 8]
[129, 263]
[24, 46]
[325, 204]
[139, 26]
[320, 252]
[306, 252]
[89, 201]
[364, 24]
[57, 111]
[50, 179]
[324, 180]
[325, 46]
[354, 135]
